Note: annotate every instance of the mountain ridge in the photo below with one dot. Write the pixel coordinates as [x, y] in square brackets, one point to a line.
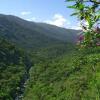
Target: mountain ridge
[32, 34]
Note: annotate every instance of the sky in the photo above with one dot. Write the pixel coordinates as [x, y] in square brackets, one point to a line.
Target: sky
[47, 11]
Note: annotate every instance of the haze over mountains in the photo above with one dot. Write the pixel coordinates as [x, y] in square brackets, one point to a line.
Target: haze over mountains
[34, 35]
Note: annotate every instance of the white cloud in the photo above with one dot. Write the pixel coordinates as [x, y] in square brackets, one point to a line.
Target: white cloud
[26, 13]
[58, 20]
[61, 21]
[76, 27]
[31, 19]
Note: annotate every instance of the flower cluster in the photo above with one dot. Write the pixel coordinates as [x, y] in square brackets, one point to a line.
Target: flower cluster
[89, 38]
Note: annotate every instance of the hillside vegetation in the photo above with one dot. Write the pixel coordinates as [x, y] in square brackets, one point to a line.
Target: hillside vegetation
[42, 62]
[33, 36]
[17, 37]
[13, 68]
[74, 76]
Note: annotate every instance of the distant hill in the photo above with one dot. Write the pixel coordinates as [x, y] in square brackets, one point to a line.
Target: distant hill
[33, 35]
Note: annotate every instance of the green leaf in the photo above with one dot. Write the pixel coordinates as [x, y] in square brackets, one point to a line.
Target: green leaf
[74, 14]
[81, 6]
[73, 7]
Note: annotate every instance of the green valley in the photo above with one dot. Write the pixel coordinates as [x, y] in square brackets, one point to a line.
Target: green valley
[39, 61]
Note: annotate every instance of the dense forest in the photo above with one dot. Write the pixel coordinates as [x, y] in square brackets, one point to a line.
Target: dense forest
[74, 76]
[16, 60]
[13, 68]
[55, 73]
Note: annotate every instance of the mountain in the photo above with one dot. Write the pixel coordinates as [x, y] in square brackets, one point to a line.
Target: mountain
[32, 35]
[58, 70]
[17, 34]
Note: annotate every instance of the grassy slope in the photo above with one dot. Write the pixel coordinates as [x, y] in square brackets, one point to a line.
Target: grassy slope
[74, 77]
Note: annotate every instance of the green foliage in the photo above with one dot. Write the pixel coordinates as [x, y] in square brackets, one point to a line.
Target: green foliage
[12, 69]
[45, 42]
[33, 36]
[52, 52]
[74, 76]
[88, 11]
[15, 65]
[59, 71]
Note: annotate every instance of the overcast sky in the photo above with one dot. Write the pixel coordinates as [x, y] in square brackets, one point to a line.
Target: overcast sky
[49, 11]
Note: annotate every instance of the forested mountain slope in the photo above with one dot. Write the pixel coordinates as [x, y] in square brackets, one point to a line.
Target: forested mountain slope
[16, 34]
[14, 65]
[31, 35]
[74, 76]
[45, 61]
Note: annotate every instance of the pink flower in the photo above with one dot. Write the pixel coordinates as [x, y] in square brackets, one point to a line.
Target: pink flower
[97, 30]
[81, 37]
[98, 44]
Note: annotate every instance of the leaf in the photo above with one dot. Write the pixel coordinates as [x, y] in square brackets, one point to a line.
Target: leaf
[73, 7]
[80, 6]
[74, 14]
